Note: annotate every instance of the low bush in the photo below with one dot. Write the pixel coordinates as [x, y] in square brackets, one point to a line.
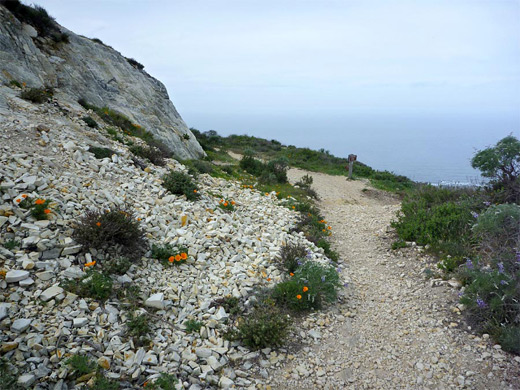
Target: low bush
[94, 285]
[81, 365]
[101, 153]
[179, 183]
[266, 326]
[153, 155]
[103, 383]
[40, 208]
[292, 256]
[168, 254]
[199, 166]
[115, 231]
[15, 83]
[312, 285]
[497, 230]
[305, 183]
[90, 122]
[135, 64]
[193, 326]
[37, 95]
[164, 382]
[139, 328]
[36, 16]
[117, 266]
[273, 172]
[11, 244]
[230, 304]
[492, 300]
[8, 380]
[227, 205]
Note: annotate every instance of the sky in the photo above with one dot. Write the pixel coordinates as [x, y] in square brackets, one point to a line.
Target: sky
[228, 64]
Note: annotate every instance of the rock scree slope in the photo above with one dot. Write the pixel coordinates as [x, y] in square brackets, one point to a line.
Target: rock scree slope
[84, 68]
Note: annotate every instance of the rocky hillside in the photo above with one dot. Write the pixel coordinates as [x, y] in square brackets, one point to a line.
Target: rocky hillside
[49, 55]
[134, 317]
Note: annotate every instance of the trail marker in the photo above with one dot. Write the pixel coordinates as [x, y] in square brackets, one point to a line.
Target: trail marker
[351, 159]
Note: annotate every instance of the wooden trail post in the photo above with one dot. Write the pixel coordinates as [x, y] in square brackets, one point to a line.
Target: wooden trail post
[351, 159]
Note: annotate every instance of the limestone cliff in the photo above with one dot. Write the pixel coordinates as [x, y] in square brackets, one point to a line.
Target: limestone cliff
[84, 68]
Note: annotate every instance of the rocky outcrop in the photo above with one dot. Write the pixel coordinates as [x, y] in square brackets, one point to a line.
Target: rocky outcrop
[84, 68]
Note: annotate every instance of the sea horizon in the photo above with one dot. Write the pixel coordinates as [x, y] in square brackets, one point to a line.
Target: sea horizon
[425, 147]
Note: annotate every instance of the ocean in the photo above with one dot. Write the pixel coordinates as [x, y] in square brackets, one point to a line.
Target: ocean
[434, 148]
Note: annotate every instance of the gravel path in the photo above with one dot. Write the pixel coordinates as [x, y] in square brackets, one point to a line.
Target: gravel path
[397, 329]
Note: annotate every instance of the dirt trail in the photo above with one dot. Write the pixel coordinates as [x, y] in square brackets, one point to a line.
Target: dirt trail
[396, 329]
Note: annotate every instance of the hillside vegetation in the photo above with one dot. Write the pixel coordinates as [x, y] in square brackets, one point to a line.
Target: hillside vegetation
[304, 158]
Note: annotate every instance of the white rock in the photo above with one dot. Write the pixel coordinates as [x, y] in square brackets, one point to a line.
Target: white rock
[225, 383]
[221, 314]
[26, 380]
[3, 311]
[26, 282]
[50, 293]
[79, 322]
[3, 220]
[20, 325]
[150, 359]
[156, 300]
[71, 250]
[16, 276]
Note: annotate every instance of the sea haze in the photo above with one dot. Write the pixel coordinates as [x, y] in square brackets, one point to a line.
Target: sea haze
[435, 148]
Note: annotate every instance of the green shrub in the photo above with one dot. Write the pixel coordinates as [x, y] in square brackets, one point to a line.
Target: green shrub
[312, 285]
[227, 205]
[501, 163]
[305, 183]
[93, 285]
[15, 83]
[117, 266]
[179, 183]
[492, 300]
[115, 231]
[139, 328]
[450, 263]
[193, 326]
[37, 95]
[438, 216]
[36, 16]
[153, 155]
[398, 244]
[101, 153]
[135, 64]
[11, 244]
[102, 383]
[199, 166]
[230, 304]
[251, 165]
[164, 382]
[168, 254]
[81, 365]
[265, 326]
[90, 122]
[8, 380]
[40, 208]
[498, 231]
[186, 136]
[292, 256]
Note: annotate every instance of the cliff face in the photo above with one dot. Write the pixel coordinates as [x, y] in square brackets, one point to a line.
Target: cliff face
[83, 68]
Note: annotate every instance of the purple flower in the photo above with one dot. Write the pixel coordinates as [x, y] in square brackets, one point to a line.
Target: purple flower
[299, 262]
[323, 278]
[469, 264]
[474, 214]
[460, 294]
[309, 254]
[487, 204]
[338, 270]
[518, 257]
[481, 303]
[502, 282]
[345, 284]
[500, 268]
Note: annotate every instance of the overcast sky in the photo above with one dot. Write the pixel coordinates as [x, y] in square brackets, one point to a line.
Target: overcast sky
[265, 57]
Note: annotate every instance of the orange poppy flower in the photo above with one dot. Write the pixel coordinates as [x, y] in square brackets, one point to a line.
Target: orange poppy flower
[293, 207]
[233, 202]
[39, 201]
[290, 273]
[178, 257]
[225, 204]
[47, 211]
[98, 223]
[298, 296]
[268, 279]
[184, 256]
[194, 191]
[330, 228]
[24, 196]
[18, 200]
[171, 259]
[305, 289]
[92, 263]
